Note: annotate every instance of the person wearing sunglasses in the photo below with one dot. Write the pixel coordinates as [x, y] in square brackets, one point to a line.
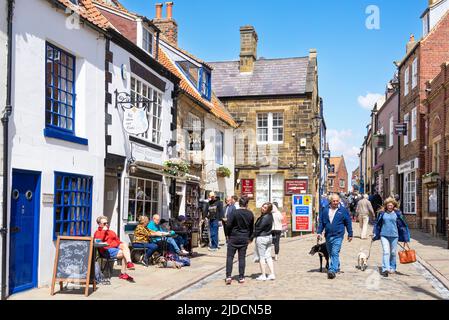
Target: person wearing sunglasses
[115, 248]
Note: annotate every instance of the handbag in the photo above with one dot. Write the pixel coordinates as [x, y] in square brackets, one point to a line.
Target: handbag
[407, 255]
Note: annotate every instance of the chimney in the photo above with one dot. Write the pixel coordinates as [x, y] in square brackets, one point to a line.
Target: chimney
[248, 48]
[167, 25]
[411, 43]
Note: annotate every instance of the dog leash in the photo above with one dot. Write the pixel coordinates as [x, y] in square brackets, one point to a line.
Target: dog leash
[369, 252]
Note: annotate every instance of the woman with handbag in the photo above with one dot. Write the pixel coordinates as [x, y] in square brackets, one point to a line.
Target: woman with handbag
[390, 228]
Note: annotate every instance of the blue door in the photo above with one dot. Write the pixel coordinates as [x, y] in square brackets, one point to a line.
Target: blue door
[24, 231]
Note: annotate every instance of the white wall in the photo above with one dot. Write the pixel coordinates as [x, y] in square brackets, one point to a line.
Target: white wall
[222, 184]
[120, 144]
[36, 22]
[437, 12]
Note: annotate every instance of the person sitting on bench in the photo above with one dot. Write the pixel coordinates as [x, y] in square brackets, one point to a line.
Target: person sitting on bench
[142, 239]
[182, 238]
[155, 225]
[115, 249]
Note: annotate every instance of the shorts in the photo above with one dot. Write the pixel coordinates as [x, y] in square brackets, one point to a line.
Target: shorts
[113, 252]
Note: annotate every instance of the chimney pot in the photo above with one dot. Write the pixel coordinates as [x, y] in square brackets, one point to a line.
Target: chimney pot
[169, 10]
[159, 10]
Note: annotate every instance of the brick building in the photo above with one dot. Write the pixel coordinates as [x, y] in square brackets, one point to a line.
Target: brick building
[435, 203]
[421, 64]
[338, 175]
[278, 106]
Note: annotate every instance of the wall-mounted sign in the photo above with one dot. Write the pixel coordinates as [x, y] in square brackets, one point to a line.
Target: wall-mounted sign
[48, 198]
[248, 188]
[295, 186]
[302, 214]
[379, 141]
[408, 166]
[400, 129]
[135, 121]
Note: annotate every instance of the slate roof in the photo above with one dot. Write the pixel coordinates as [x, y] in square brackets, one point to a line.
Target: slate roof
[270, 77]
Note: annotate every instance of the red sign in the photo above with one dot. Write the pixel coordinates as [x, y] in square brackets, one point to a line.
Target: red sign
[248, 188]
[302, 223]
[293, 187]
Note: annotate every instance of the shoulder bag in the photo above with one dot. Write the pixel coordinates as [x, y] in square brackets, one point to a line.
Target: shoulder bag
[407, 255]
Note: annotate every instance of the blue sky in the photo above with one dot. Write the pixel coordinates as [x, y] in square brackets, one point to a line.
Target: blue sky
[354, 61]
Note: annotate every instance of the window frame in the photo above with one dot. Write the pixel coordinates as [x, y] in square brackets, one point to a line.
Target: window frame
[156, 95]
[406, 81]
[205, 74]
[85, 204]
[144, 201]
[406, 121]
[414, 73]
[414, 116]
[342, 185]
[219, 147]
[391, 133]
[148, 45]
[271, 189]
[409, 191]
[270, 128]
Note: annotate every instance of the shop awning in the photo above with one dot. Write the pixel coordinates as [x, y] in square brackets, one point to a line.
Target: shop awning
[159, 170]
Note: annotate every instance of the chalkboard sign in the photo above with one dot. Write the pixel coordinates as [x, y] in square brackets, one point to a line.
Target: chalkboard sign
[73, 262]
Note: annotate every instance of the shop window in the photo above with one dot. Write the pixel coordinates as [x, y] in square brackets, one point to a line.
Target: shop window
[410, 193]
[433, 200]
[72, 205]
[269, 188]
[143, 198]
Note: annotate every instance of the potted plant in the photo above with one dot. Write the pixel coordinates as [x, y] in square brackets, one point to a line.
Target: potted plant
[430, 177]
[176, 167]
[223, 172]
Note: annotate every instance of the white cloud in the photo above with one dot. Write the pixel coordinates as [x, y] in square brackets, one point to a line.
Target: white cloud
[344, 143]
[368, 101]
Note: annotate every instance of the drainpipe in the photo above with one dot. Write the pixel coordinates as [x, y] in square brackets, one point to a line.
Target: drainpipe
[5, 119]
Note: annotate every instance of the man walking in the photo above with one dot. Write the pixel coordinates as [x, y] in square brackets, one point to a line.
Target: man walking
[214, 211]
[364, 212]
[229, 210]
[240, 228]
[333, 220]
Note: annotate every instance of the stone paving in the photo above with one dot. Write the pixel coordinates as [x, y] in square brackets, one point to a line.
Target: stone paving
[298, 278]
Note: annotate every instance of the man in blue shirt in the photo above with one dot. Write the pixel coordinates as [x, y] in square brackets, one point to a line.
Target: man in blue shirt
[333, 221]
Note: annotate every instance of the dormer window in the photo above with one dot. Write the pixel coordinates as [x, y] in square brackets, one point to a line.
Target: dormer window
[75, 2]
[147, 41]
[205, 83]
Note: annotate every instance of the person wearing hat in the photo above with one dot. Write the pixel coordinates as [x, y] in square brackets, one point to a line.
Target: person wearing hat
[214, 212]
[156, 225]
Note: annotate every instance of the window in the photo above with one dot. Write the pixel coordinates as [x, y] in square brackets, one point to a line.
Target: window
[342, 183]
[381, 133]
[72, 205]
[433, 200]
[407, 81]
[147, 42]
[219, 145]
[205, 84]
[269, 188]
[143, 198]
[410, 193]
[60, 90]
[392, 185]
[406, 120]
[436, 157]
[414, 73]
[331, 183]
[332, 168]
[391, 133]
[193, 127]
[414, 121]
[140, 89]
[270, 128]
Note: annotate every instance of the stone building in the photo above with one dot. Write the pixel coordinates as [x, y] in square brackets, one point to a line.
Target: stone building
[276, 101]
[338, 175]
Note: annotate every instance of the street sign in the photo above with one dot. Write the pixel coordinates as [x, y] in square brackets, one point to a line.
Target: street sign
[400, 129]
[302, 214]
[295, 187]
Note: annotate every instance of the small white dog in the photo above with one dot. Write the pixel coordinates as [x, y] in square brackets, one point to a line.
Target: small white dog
[362, 261]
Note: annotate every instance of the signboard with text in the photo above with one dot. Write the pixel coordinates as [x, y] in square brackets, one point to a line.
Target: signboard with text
[295, 187]
[248, 188]
[302, 214]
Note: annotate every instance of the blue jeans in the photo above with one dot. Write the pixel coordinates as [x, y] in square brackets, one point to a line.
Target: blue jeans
[389, 247]
[213, 225]
[150, 248]
[333, 245]
[172, 245]
[181, 240]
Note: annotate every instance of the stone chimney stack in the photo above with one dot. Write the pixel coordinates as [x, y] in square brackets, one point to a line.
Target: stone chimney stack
[167, 25]
[411, 43]
[248, 48]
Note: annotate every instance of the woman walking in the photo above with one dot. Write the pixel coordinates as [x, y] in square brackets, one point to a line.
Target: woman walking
[364, 211]
[390, 228]
[277, 230]
[264, 241]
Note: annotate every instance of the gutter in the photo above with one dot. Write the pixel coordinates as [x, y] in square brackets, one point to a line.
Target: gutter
[5, 121]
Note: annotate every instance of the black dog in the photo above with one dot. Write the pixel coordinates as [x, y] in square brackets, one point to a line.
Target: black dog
[321, 249]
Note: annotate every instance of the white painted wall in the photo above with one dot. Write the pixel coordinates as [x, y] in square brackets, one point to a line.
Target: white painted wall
[222, 184]
[36, 22]
[120, 145]
[435, 14]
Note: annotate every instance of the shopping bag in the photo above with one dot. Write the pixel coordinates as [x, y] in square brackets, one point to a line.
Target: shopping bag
[407, 255]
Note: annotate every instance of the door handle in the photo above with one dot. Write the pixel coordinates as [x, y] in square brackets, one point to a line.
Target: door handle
[15, 230]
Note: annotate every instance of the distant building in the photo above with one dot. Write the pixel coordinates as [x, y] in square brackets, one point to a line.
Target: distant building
[338, 175]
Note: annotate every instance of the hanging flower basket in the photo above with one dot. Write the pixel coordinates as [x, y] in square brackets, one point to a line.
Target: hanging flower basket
[176, 167]
[223, 172]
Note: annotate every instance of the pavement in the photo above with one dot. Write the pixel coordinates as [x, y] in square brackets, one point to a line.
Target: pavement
[297, 277]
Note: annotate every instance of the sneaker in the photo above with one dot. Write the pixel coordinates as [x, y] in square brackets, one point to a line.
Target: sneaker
[331, 275]
[212, 249]
[130, 266]
[262, 277]
[127, 277]
[271, 277]
[276, 257]
[228, 281]
[241, 280]
[385, 274]
[184, 252]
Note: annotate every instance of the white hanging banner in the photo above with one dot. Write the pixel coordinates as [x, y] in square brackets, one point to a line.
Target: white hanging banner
[135, 121]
